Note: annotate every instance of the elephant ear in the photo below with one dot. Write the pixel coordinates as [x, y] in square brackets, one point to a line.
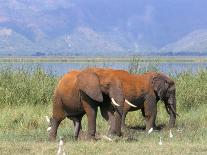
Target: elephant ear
[160, 85]
[88, 82]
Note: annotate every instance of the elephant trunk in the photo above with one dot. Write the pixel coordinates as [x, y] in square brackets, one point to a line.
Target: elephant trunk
[117, 98]
[171, 109]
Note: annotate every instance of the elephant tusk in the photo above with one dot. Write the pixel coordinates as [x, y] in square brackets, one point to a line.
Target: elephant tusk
[130, 103]
[114, 102]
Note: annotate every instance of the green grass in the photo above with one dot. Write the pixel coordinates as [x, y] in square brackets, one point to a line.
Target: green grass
[26, 97]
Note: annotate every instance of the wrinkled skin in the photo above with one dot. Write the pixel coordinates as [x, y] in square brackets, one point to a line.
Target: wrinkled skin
[145, 91]
[81, 92]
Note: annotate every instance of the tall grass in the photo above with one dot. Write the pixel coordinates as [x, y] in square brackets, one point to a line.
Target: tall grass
[26, 97]
[25, 87]
[140, 65]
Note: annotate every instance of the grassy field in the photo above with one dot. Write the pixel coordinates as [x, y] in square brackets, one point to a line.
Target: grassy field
[26, 97]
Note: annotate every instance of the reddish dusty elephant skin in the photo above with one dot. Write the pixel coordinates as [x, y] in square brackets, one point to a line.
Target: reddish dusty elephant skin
[144, 91]
[80, 92]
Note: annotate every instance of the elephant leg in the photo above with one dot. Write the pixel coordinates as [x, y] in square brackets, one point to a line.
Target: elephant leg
[123, 120]
[108, 114]
[78, 127]
[150, 114]
[118, 120]
[91, 112]
[143, 114]
[54, 122]
[150, 119]
[172, 120]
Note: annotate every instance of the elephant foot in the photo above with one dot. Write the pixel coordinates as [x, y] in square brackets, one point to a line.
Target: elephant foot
[111, 137]
[52, 139]
[124, 127]
[76, 138]
[91, 138]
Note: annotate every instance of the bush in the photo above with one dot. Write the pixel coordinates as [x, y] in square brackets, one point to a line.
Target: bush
[191, 89]
[21, 86]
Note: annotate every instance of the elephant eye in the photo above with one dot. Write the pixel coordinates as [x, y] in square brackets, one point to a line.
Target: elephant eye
[106, 85]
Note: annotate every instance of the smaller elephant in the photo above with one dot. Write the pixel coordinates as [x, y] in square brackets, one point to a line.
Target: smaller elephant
[148, 89]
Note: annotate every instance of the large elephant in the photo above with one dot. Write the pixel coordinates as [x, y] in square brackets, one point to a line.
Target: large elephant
[80, 92]
[144, 91]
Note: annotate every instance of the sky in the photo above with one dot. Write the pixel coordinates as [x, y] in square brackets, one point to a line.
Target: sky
[155, 22]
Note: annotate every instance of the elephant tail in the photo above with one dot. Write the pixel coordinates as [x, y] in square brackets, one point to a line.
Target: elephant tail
[58, 108]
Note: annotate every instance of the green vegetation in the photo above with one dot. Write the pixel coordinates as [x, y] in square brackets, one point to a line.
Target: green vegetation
[26, 97]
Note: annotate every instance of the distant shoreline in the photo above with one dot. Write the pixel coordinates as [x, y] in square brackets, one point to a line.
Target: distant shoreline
[97, 59]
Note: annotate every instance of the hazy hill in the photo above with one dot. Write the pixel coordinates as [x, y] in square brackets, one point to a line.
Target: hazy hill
[15, 44]
[194, 42]
[82, 41]
[98, 27]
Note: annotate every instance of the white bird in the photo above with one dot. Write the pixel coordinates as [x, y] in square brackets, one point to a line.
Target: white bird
[171, 135]
[180, 130]
[47, 119]
[150, 130]
[107, 138]
[160, 142]
[49, 128]
[61, 150]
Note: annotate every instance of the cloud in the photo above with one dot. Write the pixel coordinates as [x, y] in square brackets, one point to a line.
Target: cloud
[37, 5]
[5, 32]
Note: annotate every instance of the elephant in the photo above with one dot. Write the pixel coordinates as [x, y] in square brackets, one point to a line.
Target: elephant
[144, 91]
[81, 92]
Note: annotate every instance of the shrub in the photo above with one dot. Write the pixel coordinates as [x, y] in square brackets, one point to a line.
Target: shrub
[21, 86]
[191, 89]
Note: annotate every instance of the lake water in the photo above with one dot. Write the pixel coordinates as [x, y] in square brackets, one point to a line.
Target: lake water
[59, 69]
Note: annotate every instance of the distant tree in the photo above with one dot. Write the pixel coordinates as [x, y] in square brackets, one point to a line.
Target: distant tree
[39, 54]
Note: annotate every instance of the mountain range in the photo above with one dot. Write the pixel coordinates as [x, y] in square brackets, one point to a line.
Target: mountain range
[102, 27]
